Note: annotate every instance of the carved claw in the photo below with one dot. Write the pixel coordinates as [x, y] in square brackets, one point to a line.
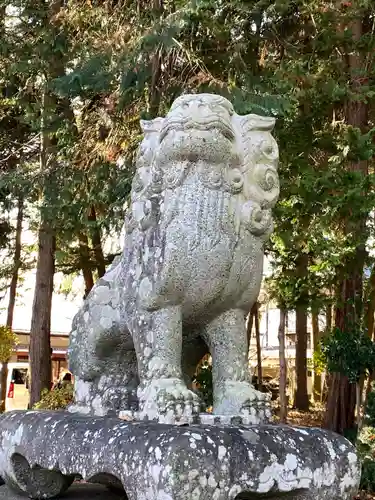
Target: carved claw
[256, 410]
[239, 397]
[168, 401]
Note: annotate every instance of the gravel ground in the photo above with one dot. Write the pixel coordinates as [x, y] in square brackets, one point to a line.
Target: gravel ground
[75, 492]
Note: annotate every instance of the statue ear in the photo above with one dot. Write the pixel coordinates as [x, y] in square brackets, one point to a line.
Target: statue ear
[257, 122]
[150, 126]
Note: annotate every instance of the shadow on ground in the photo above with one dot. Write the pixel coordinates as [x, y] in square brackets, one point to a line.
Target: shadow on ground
[76, 492]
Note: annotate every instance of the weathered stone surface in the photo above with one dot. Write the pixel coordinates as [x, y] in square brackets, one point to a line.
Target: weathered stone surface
[151, 461]
[205, 183]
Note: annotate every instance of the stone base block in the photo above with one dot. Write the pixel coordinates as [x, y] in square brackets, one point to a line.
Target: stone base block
[42, 452]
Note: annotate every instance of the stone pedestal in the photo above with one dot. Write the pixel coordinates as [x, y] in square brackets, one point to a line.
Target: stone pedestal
[42, 452]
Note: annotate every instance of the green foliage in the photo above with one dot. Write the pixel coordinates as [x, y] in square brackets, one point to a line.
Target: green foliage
[122, 62]
[92, 161]
[370, 410]
[368, 472]
[5, 231]
[8, 340]
[203, 381]
[319, 361]
[365, 443]
[57, 399]
[366, 452]
[350, 353]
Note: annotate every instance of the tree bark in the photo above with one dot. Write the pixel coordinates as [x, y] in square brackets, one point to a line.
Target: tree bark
[342, 395]
[371, 333]
[329, 318]
[283, 368]
[249, 329]
[85, 261]
[16, 265]
[156, 65]
[259, 347]
[12, 298]
[370, 305]
[97, 242]
[3, 381]
[40, 344]
[301, 396]
[370, 381]
[316, 339]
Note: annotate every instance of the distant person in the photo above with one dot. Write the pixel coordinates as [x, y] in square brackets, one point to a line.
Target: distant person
[64, 381]
[67, 378]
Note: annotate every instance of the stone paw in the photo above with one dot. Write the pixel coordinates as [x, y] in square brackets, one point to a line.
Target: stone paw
[169, 401]
[237, 398]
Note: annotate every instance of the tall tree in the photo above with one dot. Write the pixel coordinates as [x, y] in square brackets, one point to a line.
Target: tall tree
[96, 242]
[40, 344]
[12, 298]
[85, 263]
[341, 403]
[283, 368]
[55, 113]
[253, 319]
[301, 400]
[258, 344]
[316, 338]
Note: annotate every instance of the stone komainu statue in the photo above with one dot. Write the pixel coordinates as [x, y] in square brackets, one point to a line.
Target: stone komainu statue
[205, 182]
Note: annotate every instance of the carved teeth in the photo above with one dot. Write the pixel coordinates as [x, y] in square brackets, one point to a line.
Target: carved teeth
[182, 126]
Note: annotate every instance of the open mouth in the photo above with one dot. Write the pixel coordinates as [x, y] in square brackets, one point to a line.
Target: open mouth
[181, 126]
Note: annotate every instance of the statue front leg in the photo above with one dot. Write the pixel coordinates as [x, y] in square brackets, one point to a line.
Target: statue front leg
[162, 394]
[233, 391]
